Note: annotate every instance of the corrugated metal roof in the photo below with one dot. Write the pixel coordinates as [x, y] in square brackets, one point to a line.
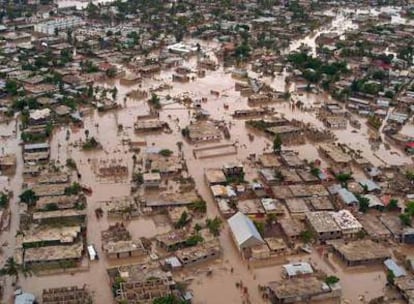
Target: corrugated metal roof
[347, 196]
[370, 184]
[397, 270]
[24, 298]
[244, 231]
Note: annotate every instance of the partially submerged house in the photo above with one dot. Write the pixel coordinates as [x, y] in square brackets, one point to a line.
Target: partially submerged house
[244, 232]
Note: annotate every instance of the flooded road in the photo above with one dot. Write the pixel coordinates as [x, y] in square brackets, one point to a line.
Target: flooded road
[368, 282]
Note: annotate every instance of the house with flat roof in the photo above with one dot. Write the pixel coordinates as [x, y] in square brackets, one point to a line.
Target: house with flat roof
[203, 131]
[297, 207]
[361, 252]
[323, 225]
[374, 228]
[151, 179]
[53, 254]
[302, 290]
[298, 269]
[215, 176]
[348, 224]
[292, 229]
[199, 254]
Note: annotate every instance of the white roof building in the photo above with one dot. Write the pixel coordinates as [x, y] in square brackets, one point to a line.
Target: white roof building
[40, 114]
[296, 269]
[244, 231]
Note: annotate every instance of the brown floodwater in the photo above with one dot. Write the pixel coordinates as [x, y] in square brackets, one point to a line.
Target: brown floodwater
[220, 287]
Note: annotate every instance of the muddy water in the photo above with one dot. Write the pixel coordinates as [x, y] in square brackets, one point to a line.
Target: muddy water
[104, 127]
[9, 143]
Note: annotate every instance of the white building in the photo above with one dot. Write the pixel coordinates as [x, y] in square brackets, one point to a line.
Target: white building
[48, 27]
[244, 232]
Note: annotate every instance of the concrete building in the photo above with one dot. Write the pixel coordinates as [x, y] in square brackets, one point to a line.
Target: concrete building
[215, 176]
[66, 295]
[199, 254]
[323, 225]
[361, 252]
[152, 179]
[299, 269]
[297, 207]
[53, 255]
[48, 27]
[348, 224]
[292, 229]
[203, 131]
[302, 290]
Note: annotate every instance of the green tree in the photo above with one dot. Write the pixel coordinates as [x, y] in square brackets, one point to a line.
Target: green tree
[409, 209]
[306, 236]
[199, 206]
[28, 197]
[214, 225]
[166, 152]
[114, 93]
[242, 51]
[10, 268]
[197, 227]
[405, 219]
[138, 178]
[184, 219]
[194, 240]
[111, 72]
[344, 178]
[260, 227]
[4, 200]
[331, 280]
[393, 205]
[155, 101]
[12, 87]
[390, 276]
[363, 203]
[73, 189]
[277, 144]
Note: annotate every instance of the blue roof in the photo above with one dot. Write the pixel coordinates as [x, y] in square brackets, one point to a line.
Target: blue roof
[370, 184]
[347, 196]
[397, 270]
[244, 231]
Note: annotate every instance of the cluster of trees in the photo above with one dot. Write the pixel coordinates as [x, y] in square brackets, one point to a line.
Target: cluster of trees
[314, 70]
[199, 206]
[407, 217]
[73, 189]
[4, 200]
[90, 144]
[214, 225]
[28, 197]
[299, 12]
[89, 67]
[367, 86]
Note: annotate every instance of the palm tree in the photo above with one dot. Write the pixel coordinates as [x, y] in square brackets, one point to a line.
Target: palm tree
[10, 268]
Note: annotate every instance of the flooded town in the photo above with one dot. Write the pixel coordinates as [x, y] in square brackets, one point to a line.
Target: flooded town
[206, 152]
